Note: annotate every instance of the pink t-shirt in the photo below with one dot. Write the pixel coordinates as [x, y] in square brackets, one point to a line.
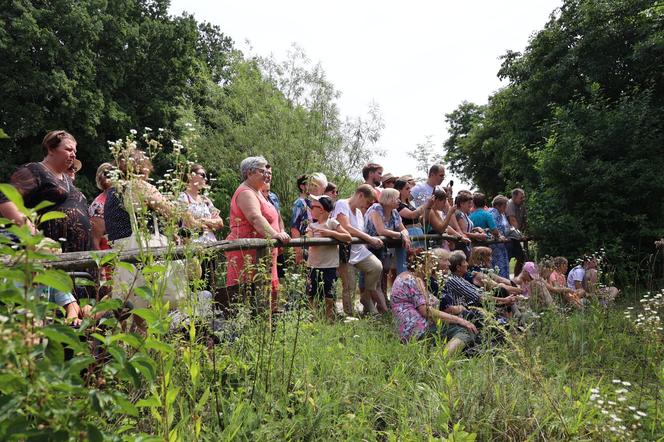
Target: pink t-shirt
[556, 279]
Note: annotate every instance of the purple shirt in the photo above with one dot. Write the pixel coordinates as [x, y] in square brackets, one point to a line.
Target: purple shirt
[406, 298]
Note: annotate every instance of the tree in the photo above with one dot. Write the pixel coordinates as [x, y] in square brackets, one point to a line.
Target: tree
[425, 156]
[99, 69]
[577, 127]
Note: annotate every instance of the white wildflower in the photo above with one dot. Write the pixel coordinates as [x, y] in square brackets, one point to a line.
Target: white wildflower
[133, 131]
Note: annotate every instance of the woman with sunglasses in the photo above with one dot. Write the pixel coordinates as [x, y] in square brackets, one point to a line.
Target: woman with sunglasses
[200, 206]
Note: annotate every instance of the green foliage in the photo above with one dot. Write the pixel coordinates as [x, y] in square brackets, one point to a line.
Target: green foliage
[578, 126]
[98, 69]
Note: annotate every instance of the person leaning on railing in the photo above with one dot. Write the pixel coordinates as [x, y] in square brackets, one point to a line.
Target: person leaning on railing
[48, 181]
[382, 219]
[251, 216]
[199, 205]
[499, 256]
[349, 214]
[132, 212]
[433, 219]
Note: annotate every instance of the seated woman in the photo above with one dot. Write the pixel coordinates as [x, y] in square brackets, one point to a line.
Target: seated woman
[584, 277]
[534, 288]
[465, 293]
[478, 263]
[200, 206]
[415, 314]
[547, 271]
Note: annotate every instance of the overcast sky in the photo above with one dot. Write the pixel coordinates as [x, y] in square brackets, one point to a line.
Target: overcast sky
[418, 60]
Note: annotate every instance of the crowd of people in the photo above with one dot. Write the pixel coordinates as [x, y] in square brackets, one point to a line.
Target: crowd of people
[432, 287]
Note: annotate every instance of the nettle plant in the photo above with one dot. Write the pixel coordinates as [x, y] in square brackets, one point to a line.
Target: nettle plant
[96, 381]
[49, 381]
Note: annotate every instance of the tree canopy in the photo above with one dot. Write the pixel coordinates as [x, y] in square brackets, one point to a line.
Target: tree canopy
[578, 126]
[99, 69]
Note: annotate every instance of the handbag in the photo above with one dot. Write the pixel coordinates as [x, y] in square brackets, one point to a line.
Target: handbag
[172, 283]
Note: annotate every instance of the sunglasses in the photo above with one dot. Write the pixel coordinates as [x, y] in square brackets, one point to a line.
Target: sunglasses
[201, 174]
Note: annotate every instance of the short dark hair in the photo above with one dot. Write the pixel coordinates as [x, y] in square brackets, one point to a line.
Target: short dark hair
[517, 191]
[479, 199]
[400, 184]
[326, 202]
[456, 258]
[435, 169]
[462, 198]
[302, 181]
[371, 167]
[330, 187]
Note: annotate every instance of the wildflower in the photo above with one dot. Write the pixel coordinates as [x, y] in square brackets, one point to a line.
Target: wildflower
[616, 381]
[626, 384]
[641, 413]
[631, 408]
[622, 399]
[133, 131]
[147, 129]
[62, 239]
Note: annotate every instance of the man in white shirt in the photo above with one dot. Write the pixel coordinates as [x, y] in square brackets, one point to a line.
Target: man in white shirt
[423, 191]
[348, 213]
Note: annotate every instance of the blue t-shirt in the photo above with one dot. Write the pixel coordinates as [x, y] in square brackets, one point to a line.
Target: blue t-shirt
[482, 218]
[300, 216]
[391, 224]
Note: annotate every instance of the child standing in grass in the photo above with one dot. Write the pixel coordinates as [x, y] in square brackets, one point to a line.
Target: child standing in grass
[324, 260]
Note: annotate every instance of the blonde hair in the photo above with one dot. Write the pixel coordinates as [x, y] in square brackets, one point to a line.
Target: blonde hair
[102, 170]
[319, 179]
[441, 254]
[388, 196]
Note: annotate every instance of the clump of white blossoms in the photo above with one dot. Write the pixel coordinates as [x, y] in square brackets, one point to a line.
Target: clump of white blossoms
[618, 418]
[647, 317]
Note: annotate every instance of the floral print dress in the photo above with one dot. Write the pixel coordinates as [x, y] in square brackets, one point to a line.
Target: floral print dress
[406, 298]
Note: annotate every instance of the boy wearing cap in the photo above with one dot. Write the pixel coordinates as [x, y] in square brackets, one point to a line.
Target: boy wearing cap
[324, 260]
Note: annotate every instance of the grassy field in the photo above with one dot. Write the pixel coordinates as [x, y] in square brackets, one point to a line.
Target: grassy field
[558, 380]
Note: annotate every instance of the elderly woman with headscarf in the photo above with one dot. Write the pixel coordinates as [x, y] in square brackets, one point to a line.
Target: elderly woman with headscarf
[251, 216]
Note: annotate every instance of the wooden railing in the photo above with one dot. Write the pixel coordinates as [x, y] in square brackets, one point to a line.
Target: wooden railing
[75, 261]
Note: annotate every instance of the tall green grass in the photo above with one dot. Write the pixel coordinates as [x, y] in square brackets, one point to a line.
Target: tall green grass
[356, 381]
